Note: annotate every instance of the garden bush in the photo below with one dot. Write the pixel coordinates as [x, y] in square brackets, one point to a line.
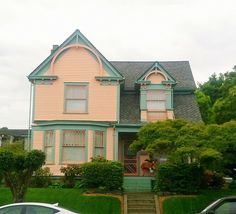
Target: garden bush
[70, 174]
[178, 178]
[103, 174]
[212, 180]
[41, 178]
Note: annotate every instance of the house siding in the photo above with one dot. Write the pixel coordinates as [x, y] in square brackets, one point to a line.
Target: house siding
[76, 65]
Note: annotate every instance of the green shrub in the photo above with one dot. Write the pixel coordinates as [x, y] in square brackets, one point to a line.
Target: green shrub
[70, 174]
[41, 178]
[103, 174]
[178, 178]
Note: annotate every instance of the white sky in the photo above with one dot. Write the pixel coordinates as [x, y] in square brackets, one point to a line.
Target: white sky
[201, 31]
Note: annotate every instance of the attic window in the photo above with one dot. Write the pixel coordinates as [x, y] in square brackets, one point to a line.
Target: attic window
[156, 105]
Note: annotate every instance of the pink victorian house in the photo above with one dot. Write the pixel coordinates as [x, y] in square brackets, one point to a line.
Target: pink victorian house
[85, 105]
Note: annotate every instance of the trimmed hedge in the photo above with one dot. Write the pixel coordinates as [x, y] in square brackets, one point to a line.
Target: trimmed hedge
[103, 174]
[178, 178]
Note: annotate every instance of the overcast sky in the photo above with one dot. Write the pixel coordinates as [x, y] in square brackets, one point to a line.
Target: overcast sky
[201, 31]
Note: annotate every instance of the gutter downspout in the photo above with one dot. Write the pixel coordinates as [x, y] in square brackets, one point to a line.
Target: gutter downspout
[30, 114]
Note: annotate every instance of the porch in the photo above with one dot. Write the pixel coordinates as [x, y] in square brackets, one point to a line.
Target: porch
[135, 164]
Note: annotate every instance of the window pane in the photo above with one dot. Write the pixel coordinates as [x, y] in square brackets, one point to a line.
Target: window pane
[73, 148]
[156, 105]
[49, 146]
[99, 152]
[49, 137]
[71, 154]
[99, 143]
[155, 95]
[49, 154]
[76, 105]
[76, 92]
[74, 138]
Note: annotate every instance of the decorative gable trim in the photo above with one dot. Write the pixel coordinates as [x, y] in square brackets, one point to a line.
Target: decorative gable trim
[106, 80]
[42, 79]
[77, 38]
[156, 67]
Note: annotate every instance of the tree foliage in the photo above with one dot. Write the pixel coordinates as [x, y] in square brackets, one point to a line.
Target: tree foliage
[17, 167]
[217, 98]
[184, 142]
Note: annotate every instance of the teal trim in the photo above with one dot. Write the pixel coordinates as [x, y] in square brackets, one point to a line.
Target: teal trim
[143, 99]
[128, 129]
[169, 99]
[138, 184]
[53, 145]
[115, 143]
[157, 86]
[108, 78]
[143, 82]
[157, 66]
[73, 123]
[76, 37]
[43, 77]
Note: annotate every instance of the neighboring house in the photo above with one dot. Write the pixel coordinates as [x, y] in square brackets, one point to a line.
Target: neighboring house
[85, 105]
[12, 135]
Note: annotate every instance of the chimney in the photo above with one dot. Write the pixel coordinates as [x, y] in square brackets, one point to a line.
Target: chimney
[54, 47]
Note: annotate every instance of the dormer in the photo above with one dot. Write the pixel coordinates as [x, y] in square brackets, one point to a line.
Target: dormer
[156, 94]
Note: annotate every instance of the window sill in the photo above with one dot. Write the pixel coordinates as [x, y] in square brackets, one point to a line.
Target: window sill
[75, 112]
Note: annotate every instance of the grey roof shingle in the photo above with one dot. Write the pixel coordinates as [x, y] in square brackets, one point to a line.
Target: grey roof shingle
[180, 70]
[186, 107]
[129, 108]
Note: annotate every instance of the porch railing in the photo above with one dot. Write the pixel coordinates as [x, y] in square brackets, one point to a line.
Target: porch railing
[130, 167]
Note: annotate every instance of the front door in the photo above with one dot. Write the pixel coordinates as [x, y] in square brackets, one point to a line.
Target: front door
[125, 155]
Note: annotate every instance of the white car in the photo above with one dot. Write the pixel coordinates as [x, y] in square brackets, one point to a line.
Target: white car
[33, 208]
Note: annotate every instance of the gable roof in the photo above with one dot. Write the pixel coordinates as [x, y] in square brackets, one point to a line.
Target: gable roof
[75, 38]
[179, 70]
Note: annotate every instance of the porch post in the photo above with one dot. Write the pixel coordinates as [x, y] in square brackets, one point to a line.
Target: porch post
[115, 140]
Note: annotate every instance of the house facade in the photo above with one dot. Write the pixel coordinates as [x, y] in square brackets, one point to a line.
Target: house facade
[85, 105]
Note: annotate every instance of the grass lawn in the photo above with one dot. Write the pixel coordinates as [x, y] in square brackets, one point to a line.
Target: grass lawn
[68, 198]
[193, 204]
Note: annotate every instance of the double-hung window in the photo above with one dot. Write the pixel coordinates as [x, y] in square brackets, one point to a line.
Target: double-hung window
[73, 146]
[76, 98]
[99, 143]
[156, 105]
[49, 137]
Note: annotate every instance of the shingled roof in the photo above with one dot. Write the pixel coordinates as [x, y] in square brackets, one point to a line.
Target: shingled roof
[180, 70]
[185, 105]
